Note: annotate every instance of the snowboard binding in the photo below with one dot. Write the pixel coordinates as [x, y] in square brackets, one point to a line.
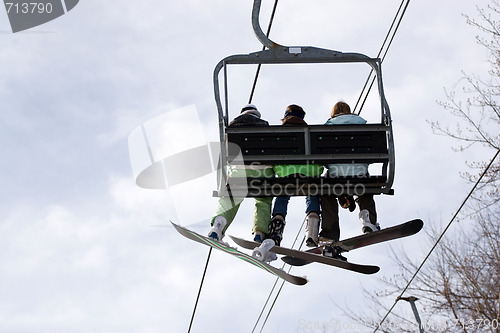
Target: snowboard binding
[263, 252]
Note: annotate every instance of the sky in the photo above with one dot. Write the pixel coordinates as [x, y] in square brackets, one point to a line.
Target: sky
[84, 249]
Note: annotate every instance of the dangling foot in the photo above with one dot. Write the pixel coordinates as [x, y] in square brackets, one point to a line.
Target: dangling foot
[334, 252]
[216, 232]
[367, 226]
[258, 237]
[326, 238]
[312, 229]
[276, 228]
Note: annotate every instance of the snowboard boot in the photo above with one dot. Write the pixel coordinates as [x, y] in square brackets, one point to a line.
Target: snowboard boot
[367, 225]
[324, 240]
[312, 229]
[276, 228]
[258, 237]
[217, 230]
[334, 252]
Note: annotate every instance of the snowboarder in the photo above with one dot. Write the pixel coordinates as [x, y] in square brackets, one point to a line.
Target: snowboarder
[294, 116]
[330, 230]
[228, 207]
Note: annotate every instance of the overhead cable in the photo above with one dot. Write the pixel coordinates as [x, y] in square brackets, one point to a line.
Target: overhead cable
[263, 48]
[439, 239]
[388, 40]
[199, 291]
[276, 282]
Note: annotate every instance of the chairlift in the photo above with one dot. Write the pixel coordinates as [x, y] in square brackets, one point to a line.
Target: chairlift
[312, 144]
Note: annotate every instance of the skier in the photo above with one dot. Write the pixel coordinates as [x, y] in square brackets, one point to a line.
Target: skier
[228, 207]
[330, 230]
[294, 116]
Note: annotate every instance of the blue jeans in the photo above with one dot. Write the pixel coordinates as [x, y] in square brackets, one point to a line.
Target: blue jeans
[281, 205]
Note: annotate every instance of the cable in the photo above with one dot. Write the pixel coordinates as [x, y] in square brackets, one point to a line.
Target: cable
[265, 304]
[250, 101]
[263, 48]
[199, 291]
[439, 239]
[276, 282]
[403, 11]
[278, 293]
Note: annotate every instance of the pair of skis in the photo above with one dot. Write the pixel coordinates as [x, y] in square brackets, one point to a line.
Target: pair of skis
[300, 258]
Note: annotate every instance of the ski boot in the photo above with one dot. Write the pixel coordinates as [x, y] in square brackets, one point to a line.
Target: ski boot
[262, 252]
[217, 230]
[312, 229]
[367, 225]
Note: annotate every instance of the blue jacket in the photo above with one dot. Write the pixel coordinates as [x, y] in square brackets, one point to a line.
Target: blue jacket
[353, 169]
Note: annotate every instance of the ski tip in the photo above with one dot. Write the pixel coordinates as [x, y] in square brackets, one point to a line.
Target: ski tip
[295, 261]
[417, 224]
[373, 270]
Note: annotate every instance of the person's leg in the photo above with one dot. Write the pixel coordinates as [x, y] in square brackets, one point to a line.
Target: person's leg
[262, 216]
[368, 213]
[313, 204]
[277, 225]
[312, 220]
[224, 215]
[366, 202]
[280, 206]
[330, 228]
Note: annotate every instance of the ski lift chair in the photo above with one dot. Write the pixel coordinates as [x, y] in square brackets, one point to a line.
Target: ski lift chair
[312, 144]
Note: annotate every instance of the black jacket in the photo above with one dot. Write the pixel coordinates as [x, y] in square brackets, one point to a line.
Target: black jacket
[247, 120]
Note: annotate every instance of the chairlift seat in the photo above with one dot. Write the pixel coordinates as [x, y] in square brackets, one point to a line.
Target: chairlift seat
[318, 144]
[312, 144]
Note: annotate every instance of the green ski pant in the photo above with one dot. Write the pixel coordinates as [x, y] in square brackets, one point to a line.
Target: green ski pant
[261, 217]
[228, 207]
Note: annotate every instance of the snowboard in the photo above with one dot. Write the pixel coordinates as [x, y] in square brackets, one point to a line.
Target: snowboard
[399, 231]
[309, 257]
[240, 255]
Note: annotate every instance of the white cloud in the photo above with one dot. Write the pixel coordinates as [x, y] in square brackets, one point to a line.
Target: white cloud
[79, 244]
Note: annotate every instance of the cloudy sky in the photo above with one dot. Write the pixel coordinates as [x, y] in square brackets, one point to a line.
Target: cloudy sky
[84, 249]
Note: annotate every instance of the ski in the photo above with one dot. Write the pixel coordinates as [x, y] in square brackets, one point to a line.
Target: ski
[309, 257]
[399, 231]
[240, 255]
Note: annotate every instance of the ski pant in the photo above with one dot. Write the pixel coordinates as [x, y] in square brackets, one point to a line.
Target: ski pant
[228, 207]
[281, 205]
[261, 217]
[330, 227]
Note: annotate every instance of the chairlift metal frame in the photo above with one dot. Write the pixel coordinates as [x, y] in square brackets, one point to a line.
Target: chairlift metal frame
[279, 54]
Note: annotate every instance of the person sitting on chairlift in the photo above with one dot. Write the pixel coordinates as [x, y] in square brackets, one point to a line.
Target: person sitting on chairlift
[227, 207]
[294, 116]
[330, 230]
